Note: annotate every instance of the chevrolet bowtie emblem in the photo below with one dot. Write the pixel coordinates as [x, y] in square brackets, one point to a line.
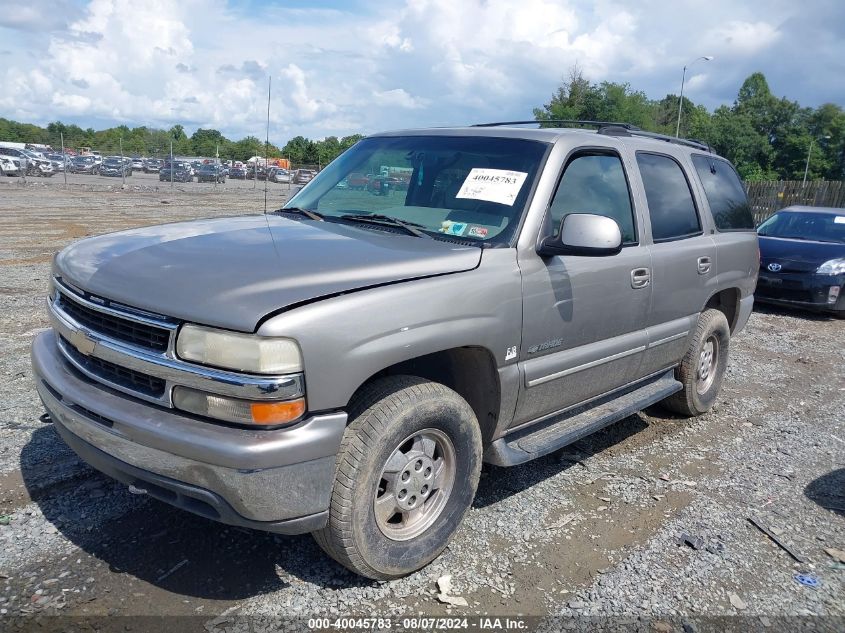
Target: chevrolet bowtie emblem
[83, 343]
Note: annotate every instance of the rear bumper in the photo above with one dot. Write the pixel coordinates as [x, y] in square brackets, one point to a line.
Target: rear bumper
[808, 291]
[279, 481]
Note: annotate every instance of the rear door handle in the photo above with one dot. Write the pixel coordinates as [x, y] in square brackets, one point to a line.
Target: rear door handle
[640, 277]
[703, 265]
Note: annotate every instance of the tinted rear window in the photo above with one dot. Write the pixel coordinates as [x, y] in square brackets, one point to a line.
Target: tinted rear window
[670, 203]
[725, 194]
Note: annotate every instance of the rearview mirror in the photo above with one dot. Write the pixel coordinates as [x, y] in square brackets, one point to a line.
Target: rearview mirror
[583, 234]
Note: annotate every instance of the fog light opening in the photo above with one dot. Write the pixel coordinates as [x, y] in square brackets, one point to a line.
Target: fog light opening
[833, 294]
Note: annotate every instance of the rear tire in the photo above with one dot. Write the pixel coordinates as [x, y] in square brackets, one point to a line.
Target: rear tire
[703, 367]
[407, 472]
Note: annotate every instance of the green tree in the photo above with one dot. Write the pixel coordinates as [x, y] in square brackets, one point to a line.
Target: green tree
[246, 148]
[301, 151]
[207, 142]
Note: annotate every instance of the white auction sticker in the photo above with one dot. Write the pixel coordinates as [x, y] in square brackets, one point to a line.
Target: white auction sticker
[492, 185]
[839, 219]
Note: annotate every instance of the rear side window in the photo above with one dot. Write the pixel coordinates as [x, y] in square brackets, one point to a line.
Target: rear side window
[725, 193]
[670, 202]
[595, 183]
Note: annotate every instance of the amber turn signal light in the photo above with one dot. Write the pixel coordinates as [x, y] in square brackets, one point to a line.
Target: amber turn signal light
[277, 412]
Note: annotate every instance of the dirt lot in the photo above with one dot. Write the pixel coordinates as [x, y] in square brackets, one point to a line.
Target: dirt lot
[590, 532]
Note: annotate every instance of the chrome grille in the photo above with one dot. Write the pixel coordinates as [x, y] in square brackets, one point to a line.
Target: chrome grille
[115, 374]
[115, 327]
[132, 350]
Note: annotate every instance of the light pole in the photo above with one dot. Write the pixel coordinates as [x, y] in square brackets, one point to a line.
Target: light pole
[706, 58]
[807, 165]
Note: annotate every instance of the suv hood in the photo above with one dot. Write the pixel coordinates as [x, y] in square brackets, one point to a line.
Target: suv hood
[231, 272]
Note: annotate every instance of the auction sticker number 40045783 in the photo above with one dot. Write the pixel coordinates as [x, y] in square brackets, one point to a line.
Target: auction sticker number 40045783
[492, 185]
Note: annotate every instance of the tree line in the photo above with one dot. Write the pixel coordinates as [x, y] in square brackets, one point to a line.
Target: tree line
[767, 138]
[146, 141]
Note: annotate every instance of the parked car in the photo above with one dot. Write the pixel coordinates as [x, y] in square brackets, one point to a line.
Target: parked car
[211, 173]
[58, 161]
[382, 185]
[10, 166]
[256, 173]
[357, 181]
[802, 259]
[303, 176]
[35, 164]
[115, 166]
[177, 171]
[152, 165]
[278, 174]
[84, 165]
[237, 172]
[343, 365]
[137, 163]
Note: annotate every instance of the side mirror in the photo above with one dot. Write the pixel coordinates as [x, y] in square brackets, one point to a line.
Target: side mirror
[583, 234]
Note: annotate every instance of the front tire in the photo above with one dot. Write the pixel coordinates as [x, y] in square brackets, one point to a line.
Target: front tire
[703, 367]
[407, 472]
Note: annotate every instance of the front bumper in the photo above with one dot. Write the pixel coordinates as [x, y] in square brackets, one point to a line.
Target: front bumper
[278, 481]
[801, 290]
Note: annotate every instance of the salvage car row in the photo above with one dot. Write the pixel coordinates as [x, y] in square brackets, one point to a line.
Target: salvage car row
[19, 162]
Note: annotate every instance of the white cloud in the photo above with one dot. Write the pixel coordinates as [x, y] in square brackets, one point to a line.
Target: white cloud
[364, 68]
[398, 97]
[743, 38]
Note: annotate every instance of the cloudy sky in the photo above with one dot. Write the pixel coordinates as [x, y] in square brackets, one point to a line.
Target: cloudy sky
[340, 67]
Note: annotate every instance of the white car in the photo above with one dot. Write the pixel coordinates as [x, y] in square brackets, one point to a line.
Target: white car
[10, 166]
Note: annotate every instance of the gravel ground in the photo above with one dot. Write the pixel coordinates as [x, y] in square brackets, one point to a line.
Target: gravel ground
[591, 532]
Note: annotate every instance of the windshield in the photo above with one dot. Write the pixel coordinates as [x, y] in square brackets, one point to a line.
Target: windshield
[469, 187]
[112, 162]
[817, 227]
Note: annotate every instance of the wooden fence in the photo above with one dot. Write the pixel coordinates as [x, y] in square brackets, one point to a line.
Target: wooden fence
[767, 197]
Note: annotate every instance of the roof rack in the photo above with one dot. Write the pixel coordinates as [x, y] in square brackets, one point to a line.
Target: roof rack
[608, 128]
[564, 122]
[671, 139]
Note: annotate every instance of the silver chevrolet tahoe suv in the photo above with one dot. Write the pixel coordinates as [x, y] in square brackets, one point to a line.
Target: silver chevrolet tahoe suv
[345, 364]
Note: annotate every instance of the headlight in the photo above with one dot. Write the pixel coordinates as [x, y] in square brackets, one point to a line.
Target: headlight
[832, 267]
[240, 352]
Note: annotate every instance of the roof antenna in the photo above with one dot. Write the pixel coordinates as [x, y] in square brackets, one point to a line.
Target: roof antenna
[266, 142]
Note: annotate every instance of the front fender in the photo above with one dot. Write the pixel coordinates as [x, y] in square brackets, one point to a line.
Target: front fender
[347, 339]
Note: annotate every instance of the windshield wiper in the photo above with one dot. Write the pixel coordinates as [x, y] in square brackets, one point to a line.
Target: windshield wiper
[308, 213]
[376, 218]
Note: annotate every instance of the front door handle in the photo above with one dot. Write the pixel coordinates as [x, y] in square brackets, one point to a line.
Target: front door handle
[640, 277]
[703, 265]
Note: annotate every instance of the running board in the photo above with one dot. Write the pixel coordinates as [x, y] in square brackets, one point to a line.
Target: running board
[571, 425]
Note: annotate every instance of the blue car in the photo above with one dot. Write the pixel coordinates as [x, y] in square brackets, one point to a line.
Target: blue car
[802, 259]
